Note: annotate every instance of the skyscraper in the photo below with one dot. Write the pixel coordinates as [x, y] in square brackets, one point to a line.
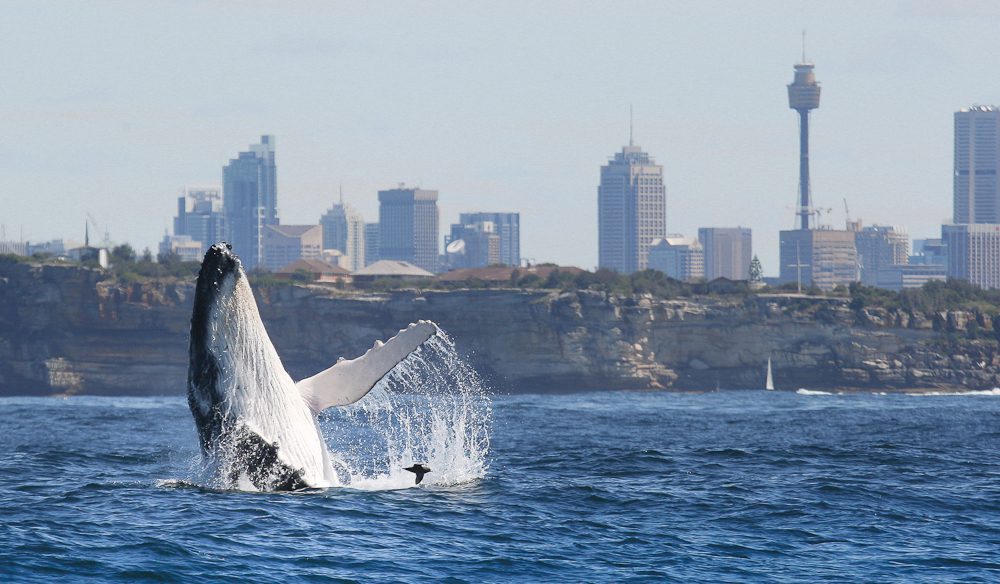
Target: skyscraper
[250, 200]
[728, 251]
[977, 161]
[408, 226]
[371, 243]
[344, 230]
[199, 216]
[631, 210]
[507, 227]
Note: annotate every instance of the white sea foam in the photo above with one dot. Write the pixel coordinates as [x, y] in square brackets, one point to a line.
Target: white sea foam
[995, 391]
[431, 409]
[804, 391]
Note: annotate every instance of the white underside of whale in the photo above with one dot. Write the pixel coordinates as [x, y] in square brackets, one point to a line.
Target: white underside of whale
[258, 393]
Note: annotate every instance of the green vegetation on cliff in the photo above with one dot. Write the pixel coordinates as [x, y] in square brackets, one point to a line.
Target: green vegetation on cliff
[931, 297]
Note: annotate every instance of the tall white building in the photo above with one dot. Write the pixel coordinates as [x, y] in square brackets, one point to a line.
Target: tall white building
[631, 210]
[344, 230]
[977, 161]
[973, 253]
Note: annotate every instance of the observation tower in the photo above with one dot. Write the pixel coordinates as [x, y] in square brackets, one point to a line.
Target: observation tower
[803, 96]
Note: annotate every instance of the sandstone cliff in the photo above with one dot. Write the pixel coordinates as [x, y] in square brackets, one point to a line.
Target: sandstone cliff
[76, 330]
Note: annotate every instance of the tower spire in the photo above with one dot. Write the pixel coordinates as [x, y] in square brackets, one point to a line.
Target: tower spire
[341, 194]
[631, 133]
[803, 45]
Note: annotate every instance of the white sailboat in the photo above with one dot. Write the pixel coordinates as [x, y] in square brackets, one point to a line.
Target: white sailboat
[769, 384]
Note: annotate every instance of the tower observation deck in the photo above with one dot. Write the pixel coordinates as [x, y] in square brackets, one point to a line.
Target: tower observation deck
[803, 96]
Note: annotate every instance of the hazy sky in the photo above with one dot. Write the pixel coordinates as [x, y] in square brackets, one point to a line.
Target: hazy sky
[110, 107]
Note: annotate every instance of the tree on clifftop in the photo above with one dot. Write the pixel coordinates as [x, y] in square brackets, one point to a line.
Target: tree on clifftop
[756, 271]
[123, 254]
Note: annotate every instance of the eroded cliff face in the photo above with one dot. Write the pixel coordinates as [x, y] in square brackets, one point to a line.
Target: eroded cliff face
[75, 330]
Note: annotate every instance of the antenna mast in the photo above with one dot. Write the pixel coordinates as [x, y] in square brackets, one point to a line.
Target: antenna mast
[631, 133]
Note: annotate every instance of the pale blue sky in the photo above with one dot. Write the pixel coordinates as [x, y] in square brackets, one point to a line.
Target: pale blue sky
[110, 107]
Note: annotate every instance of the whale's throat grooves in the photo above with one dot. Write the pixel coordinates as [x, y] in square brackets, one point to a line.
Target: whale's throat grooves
[250, 416]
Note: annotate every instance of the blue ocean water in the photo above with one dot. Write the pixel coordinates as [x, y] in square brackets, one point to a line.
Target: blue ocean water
[617, 486]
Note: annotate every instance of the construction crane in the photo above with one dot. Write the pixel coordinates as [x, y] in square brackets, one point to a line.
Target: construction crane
[820, 211]
[107, 234]
[848, 224]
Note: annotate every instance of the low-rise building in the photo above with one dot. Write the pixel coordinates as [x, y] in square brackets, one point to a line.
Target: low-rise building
[824, 257]
[19, 248]
[185, 247]
[89, 254]
[678, 257]
[929, 252]
[472, 245]
[901, 276]
[398, 270]
[504, 274]
[879, 247]
[317, 271]
[54, 247]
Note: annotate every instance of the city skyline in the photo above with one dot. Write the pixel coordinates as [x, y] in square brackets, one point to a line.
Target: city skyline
[114, 129]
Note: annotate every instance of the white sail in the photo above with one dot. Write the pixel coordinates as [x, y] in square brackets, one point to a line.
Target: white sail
[769, 385]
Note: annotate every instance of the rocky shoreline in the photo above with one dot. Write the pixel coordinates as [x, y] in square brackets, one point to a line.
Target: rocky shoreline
[72, 330]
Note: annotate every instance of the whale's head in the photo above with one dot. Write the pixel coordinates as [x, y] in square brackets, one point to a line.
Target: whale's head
[220, 276]
[219, 270]
[224, 312]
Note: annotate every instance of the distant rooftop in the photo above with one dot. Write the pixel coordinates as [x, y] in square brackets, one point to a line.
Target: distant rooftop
[292, 230]
[979, 108]
[393, 268]
[314, 267]
[676, 240]
[504, 273]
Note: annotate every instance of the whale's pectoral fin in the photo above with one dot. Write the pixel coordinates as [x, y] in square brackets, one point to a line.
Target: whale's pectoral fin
[348, 381]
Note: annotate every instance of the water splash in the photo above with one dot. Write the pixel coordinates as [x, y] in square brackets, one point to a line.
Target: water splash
[431, 409]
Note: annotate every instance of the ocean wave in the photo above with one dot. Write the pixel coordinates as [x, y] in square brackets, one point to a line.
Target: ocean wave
[995, 391]
[804, 391]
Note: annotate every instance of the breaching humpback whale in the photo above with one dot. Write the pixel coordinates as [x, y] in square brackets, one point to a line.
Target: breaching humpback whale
[254, 423]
